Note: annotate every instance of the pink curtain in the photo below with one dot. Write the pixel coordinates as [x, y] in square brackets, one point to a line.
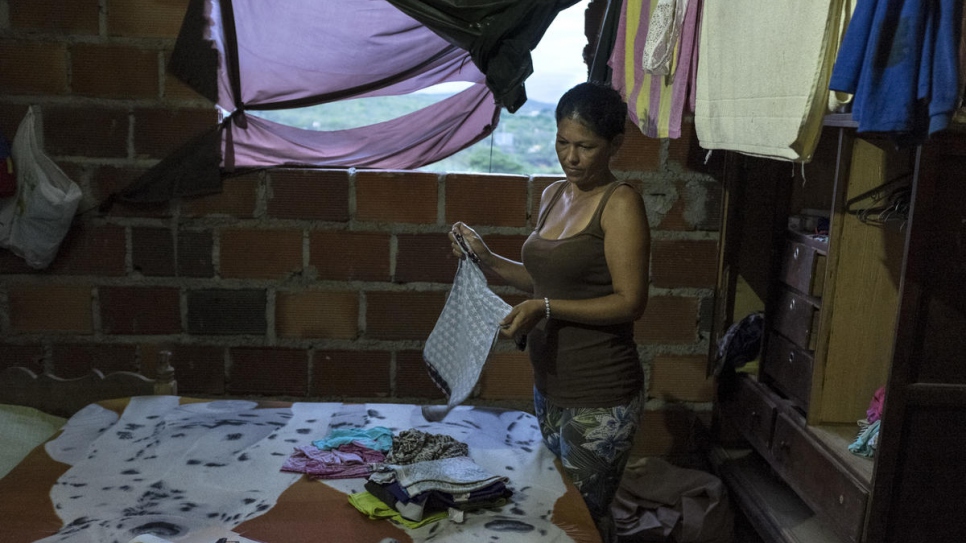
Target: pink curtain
[313, 52]
[251, 55]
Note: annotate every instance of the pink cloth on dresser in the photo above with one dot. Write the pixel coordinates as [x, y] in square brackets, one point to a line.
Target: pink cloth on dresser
[874, 412]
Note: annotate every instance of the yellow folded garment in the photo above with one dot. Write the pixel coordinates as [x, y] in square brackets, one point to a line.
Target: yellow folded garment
[377, 509]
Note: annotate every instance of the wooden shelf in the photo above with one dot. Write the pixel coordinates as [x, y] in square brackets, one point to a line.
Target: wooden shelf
[842, 120]
[815, 241]
[892, 315]
[836, 438]
[778, 514]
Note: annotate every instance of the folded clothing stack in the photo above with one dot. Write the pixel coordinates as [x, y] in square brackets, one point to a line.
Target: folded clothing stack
[414, 474]
[415, 490]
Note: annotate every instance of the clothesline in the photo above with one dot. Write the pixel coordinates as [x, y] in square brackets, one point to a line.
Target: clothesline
[766, 93]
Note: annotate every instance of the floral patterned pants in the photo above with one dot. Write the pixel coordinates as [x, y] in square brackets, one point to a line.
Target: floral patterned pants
[593, 444]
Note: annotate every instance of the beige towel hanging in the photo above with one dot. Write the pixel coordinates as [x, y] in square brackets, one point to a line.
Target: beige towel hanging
[762, 84]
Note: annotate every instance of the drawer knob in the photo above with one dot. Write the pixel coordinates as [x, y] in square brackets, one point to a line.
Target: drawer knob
[841, 499]
[791, 357]
[795, 253]
[791, 305]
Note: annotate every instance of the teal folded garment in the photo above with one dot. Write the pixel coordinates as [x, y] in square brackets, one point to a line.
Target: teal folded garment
[864, 444]
[378, 438]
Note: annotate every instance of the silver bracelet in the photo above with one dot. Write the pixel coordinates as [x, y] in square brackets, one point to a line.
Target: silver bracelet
[546, 305]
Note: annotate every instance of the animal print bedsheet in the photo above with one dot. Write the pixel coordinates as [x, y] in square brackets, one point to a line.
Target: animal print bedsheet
[195, 471]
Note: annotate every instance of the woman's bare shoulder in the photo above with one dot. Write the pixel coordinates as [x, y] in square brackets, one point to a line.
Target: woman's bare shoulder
[627, 195]
[553, 187]
[625, 204]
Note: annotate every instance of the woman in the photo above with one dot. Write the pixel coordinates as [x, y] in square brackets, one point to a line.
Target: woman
[586, 264]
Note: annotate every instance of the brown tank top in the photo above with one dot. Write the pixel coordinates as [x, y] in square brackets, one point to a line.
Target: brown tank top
[579, 365]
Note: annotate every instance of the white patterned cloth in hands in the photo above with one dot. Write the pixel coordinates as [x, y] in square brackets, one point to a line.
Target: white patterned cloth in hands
[464, 334]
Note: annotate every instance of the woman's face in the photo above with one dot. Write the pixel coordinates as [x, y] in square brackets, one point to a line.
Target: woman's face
[583, 154]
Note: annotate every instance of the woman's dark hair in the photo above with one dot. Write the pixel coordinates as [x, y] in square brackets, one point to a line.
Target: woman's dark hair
[599, 107]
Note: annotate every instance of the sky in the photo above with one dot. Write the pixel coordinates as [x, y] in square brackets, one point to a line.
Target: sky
[558, 59]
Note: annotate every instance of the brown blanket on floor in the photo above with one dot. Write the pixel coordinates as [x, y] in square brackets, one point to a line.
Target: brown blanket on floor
[658, 501]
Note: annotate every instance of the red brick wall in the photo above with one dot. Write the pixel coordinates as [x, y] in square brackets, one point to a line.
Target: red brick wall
[309, 284]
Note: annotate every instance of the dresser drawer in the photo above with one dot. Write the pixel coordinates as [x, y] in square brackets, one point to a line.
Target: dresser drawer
[789, 369]
[821, 482]
[751, 412]
[795, 318]
[803, 268]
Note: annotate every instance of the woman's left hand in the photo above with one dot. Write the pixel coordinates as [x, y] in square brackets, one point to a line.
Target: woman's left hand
[522, 318]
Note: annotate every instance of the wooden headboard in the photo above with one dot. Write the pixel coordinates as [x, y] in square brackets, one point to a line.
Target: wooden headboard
[64, 397]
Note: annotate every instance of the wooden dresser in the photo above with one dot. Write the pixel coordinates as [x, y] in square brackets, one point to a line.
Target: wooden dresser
[793, 334]
[858, 262]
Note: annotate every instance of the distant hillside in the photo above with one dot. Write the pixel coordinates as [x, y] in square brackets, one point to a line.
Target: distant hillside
[521, 144]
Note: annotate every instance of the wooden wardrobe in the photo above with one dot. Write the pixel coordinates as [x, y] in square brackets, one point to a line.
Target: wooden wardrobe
[878, 301]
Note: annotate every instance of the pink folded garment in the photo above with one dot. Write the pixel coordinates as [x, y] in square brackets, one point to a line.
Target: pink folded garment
[347, 461]
[874, 412]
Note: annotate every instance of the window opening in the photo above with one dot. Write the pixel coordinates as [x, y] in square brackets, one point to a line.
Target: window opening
[523, 142]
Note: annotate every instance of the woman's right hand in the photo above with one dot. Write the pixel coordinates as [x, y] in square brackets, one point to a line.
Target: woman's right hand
[478, 251]
[510, 271]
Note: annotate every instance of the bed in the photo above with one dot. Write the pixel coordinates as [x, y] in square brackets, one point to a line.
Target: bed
[124, 458]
